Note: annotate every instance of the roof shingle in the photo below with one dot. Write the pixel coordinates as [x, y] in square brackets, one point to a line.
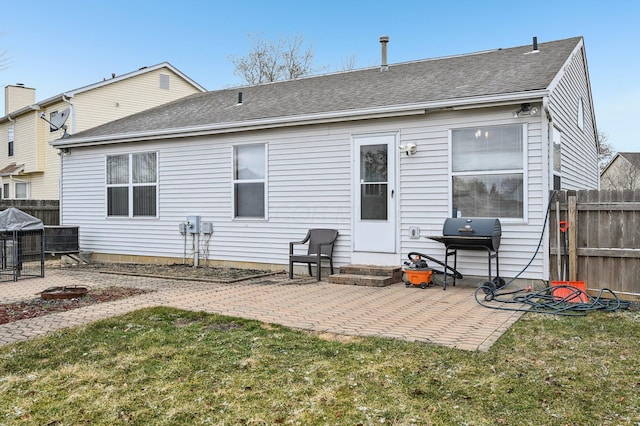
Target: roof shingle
[501, 71]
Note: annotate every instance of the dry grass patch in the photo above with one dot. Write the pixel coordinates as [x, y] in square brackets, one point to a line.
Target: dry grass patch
[169, 367]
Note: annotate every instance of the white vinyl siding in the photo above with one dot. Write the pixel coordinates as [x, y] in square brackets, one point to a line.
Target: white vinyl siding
[309, 185]
[568, 99]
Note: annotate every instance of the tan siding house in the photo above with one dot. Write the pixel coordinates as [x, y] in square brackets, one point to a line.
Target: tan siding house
[29, 166]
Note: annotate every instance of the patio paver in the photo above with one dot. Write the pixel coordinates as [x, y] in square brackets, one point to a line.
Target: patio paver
[450, 318]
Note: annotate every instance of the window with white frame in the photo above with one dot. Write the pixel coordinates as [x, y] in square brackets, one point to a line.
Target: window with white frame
[5, 191]
[52, 116]
[249, 181]
[10, 139]
[580, 114]
[132, 184]
[21, 190]
[164, 81]
[557, 158]
[487, 170]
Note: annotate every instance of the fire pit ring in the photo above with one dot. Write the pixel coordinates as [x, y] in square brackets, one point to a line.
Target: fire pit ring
[74, 292]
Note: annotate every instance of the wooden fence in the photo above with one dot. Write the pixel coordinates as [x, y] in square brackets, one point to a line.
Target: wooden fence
[602, 240]
[48, 211]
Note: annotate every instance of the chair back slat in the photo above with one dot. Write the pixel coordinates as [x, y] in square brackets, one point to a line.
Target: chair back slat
[322, 236]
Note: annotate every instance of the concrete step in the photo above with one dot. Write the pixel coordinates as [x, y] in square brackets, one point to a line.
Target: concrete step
[363, 280]
[367, 275]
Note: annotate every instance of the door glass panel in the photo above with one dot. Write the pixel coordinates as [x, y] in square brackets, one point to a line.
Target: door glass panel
[373, 182]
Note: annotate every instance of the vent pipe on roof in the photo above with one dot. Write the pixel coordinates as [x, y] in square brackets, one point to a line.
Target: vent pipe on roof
[239, 98]
[535, 44]
[383, 41]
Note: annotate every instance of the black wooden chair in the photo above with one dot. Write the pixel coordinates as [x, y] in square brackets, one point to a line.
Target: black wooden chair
[320, 247]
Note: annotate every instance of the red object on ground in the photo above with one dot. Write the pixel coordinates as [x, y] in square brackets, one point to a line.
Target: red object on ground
[421, 277]
[567, 291]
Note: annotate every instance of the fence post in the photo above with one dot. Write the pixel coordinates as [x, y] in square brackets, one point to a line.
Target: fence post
[573, 235]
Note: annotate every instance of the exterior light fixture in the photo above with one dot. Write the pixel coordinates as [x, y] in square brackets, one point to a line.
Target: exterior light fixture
[525, 108]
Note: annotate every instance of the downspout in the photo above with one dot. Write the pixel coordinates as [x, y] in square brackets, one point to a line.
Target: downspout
[73, 112]
[61, 154]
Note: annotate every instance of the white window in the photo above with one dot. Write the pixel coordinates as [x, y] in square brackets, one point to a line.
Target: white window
[21, 190]
[487, 170]
[10, 139]
[52, 116]
[132, 184]
[164, 81]
[249, 181]
[580, 114]
[5, 191]
[557, 159]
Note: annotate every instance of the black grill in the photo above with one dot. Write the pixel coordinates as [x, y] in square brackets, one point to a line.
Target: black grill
[471, 234]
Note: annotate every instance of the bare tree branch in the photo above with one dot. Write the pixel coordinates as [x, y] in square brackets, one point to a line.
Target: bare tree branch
[349, 64]
[621, 175]
[606, 151]
[270, 61]
[5, 61]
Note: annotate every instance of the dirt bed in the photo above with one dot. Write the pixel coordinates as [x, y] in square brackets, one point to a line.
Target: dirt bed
[222, 274]
[38, 306]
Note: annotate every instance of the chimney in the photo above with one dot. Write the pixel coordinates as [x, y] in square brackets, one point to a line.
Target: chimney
[383, 41]
[17, 96]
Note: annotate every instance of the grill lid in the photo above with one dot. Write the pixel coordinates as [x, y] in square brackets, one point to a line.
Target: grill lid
[471, 233]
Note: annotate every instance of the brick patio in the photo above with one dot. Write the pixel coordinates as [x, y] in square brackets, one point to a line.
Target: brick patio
[451, 318]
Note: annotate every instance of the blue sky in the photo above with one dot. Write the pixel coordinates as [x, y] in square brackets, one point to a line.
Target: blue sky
[59, 46]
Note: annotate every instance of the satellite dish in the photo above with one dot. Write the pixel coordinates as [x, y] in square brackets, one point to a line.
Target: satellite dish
[60, 118]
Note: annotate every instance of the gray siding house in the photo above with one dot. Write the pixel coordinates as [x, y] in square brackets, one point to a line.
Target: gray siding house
[622, 172]
[372, 153]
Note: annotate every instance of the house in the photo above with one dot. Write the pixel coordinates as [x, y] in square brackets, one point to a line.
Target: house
[373, 153]
[622, 172]
[29, 167]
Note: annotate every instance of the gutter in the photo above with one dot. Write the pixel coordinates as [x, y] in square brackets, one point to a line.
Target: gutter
[317, 118]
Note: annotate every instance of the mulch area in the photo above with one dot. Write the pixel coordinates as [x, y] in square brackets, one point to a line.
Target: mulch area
[177, 270]
[38, 306]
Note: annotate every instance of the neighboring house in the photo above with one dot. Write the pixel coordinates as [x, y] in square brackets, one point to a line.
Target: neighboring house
[29, 167]
[622, 172]
[493, 132]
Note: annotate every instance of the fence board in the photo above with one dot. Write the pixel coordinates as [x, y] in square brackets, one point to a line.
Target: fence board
[607, 235]
[48, 211]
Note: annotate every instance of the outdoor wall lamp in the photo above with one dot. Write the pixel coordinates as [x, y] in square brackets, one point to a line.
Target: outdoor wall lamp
[526, 108]
[409, 149]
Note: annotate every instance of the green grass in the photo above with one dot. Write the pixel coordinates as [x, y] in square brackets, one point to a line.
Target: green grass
[169, 367]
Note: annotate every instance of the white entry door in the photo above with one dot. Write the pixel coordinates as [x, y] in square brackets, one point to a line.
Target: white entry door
[375, 205]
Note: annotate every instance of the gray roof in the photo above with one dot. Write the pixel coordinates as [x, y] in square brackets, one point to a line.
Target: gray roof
[476, 75]
[105, 82]
[631, 157]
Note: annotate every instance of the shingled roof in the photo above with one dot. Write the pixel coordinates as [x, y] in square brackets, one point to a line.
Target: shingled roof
[631, 157]
[460, 79]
